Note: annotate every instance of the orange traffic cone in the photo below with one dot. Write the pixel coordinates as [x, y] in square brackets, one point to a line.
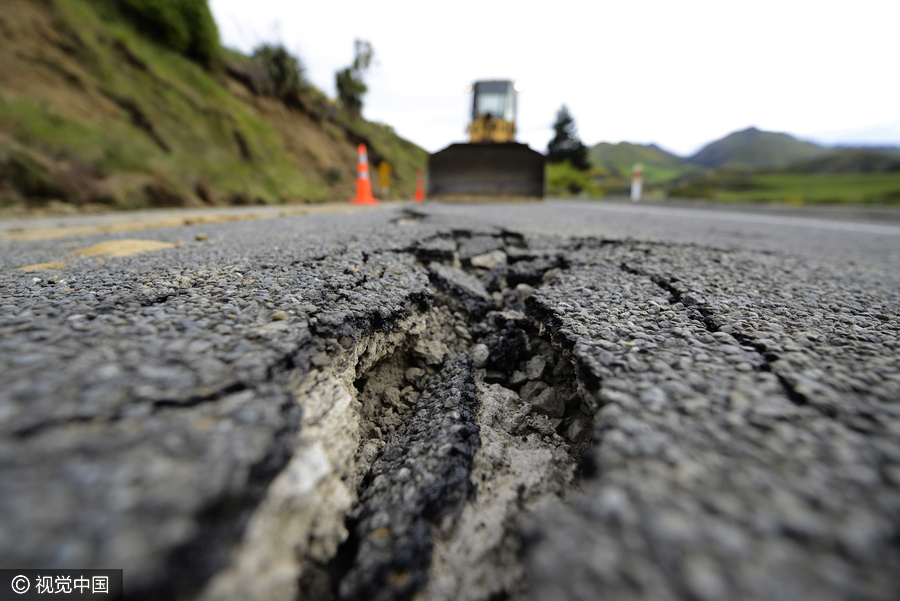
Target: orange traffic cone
[363, 184]
[420, 193]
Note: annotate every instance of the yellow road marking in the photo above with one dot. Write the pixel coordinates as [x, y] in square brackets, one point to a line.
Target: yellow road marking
[40, 266]
[175, 218]
[122, 248]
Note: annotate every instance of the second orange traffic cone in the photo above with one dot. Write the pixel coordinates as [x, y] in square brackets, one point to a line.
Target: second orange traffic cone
[420, 193]
[363, 184]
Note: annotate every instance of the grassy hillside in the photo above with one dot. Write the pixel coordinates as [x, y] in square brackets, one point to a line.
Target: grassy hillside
[619, 159]
[752, 148]
[94, 112]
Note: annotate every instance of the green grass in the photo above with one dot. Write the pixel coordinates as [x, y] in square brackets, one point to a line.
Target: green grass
[108, 148]
[838, 188]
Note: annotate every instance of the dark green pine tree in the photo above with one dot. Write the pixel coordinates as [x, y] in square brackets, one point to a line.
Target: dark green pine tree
[565, 145]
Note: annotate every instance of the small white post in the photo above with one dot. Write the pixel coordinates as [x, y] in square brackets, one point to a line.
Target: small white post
[636, 183]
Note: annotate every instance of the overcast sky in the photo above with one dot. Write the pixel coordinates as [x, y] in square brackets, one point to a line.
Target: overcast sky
[676, 73]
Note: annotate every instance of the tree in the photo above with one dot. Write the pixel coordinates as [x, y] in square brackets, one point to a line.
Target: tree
[285, 69]
[565, 145]
[350, 85]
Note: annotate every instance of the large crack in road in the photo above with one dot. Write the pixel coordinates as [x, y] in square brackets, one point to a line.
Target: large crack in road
[454, 411]
[462, 417]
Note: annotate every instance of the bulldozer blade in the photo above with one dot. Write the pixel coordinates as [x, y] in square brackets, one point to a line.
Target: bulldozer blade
[486, 172]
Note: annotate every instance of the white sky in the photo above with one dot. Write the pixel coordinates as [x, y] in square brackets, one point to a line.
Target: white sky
[680, 74]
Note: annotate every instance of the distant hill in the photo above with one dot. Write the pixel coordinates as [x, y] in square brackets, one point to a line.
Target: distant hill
[658, 164]
[851, 160]
[752, 148]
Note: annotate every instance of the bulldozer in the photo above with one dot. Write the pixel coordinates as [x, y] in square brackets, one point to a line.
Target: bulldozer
[492, 165]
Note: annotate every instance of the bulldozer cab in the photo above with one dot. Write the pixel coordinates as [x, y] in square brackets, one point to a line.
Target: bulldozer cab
[493, 112]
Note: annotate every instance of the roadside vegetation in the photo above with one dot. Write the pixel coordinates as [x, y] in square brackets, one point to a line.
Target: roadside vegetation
[568, 166]
[132, 104]
[185, 26]
[350, 83]
[563, 179]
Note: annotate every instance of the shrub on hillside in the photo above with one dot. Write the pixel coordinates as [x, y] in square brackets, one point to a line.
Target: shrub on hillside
[185, 26]
[350, 91]
[285, 69]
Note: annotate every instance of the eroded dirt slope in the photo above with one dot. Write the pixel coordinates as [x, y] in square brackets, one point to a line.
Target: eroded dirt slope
[94, 116]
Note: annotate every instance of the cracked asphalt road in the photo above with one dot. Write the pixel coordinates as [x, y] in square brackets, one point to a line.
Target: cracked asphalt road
[737, 378]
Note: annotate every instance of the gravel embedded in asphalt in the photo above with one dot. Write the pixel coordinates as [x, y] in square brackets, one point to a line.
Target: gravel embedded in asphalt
[743, 381]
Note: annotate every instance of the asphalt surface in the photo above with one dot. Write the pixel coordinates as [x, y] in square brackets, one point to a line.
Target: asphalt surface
[725, 383]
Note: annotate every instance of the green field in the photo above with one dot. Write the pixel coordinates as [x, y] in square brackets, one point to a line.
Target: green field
[819, 188]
